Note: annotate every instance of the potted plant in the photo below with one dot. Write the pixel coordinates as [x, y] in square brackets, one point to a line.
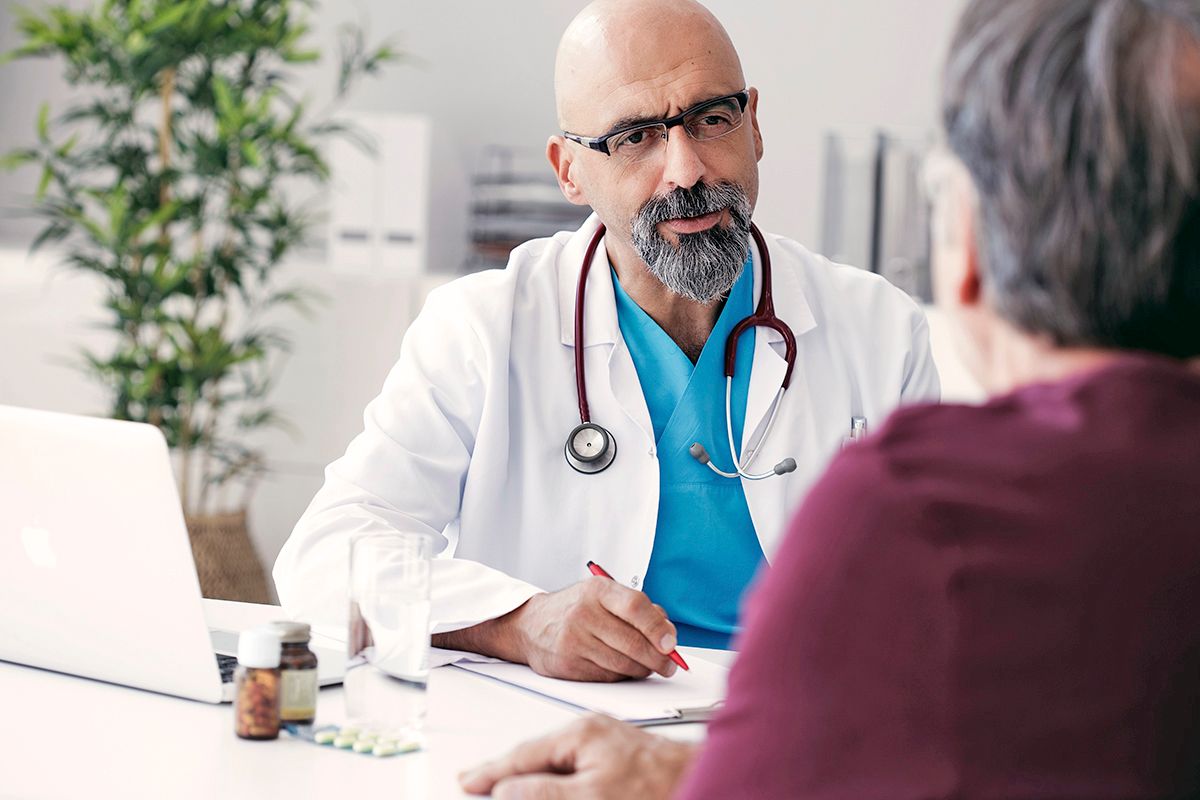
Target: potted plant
[173, 182]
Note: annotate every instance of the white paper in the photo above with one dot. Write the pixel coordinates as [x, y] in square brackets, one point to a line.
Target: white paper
[655, 698]
[441, 657]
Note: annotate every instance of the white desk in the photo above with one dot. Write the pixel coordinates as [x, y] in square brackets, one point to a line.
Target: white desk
[68, 737]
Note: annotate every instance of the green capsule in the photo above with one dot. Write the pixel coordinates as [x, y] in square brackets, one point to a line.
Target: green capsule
[325, 737]
[344, 742]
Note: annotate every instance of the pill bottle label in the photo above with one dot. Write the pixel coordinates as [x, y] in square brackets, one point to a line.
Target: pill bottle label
[298, 701]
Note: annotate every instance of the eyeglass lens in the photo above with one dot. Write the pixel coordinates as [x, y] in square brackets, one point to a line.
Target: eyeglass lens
[707, 122]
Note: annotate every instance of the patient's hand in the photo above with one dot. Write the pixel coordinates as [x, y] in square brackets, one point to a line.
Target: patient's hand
[595, 630]
[596, 757]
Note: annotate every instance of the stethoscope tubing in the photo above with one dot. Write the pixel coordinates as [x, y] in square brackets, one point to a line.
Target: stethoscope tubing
[763, 316]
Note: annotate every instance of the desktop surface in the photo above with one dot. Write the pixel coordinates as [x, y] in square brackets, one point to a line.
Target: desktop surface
[72, 737]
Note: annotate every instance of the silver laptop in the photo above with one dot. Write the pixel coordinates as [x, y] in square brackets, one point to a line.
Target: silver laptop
[96, 573]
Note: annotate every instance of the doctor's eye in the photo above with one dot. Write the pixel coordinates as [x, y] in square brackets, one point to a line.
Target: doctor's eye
[713, 121]
[637, 140]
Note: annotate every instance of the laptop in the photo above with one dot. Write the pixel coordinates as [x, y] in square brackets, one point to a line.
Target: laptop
[96, 571]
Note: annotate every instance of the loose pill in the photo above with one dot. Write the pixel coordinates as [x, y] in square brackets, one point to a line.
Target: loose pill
[344, 742]
[364, 746]
[382, 750]
[324, 737]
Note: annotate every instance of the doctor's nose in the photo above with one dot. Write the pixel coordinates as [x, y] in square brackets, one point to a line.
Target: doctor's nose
[682, 165]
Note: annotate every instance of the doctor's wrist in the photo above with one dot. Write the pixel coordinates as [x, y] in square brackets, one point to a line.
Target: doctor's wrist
[501, 637]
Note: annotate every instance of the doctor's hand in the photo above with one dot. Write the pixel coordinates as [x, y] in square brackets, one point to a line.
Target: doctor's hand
[596, 630]
[596, 757]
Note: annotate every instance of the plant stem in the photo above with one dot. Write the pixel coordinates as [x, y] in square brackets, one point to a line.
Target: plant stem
[166, 92]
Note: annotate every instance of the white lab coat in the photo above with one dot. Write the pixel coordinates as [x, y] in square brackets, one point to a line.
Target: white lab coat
[465, 441]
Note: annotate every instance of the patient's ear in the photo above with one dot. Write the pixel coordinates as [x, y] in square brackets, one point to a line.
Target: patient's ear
[953, 240]
[558, 152]
[970, 285]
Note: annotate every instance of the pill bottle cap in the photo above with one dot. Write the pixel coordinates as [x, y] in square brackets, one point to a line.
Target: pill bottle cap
[292, 632]
[258, 648]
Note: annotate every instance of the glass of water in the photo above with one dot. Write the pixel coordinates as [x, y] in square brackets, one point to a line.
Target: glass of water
[388, 665]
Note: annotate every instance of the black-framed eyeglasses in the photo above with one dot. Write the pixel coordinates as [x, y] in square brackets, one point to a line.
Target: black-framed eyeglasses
[711, 119]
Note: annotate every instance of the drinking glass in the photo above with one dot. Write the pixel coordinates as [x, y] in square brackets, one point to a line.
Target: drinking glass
[388, 665]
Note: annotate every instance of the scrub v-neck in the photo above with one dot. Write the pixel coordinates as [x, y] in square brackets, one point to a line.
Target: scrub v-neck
[706, 550]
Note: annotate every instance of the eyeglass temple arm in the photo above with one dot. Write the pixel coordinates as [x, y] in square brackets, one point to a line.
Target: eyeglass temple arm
[599, 145]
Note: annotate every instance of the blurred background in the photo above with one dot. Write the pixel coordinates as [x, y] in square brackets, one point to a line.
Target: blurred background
[848, 106]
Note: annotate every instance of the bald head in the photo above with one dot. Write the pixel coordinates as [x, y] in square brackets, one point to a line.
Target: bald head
[618, 53]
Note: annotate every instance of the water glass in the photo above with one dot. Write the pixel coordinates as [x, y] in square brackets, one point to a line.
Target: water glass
[388, 665]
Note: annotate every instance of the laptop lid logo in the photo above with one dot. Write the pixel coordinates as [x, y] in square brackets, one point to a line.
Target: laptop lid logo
[37, 546]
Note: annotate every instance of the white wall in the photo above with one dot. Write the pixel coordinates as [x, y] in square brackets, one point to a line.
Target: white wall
[484, 77]
[483, 72]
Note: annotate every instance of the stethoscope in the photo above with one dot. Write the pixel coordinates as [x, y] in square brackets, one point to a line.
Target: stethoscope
[591, 448]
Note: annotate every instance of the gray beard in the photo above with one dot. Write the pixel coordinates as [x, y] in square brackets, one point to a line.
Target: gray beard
[704, 266]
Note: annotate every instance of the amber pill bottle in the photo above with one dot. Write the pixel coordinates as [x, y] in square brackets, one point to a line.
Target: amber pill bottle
[298, 673]
[257, 683]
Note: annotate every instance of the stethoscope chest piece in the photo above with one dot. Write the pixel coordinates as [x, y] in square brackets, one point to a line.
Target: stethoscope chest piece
[590, 448]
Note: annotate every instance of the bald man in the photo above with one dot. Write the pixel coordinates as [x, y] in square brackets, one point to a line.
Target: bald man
[613, 338]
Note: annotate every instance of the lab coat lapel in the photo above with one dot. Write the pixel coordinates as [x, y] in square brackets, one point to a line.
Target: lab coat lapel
[601, 328]
[768, 499]
[770, 364]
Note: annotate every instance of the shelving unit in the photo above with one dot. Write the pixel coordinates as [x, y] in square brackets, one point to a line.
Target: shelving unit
[514, 198]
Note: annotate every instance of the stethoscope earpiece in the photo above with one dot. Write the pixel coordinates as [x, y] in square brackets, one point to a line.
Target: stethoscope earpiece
[590, 448]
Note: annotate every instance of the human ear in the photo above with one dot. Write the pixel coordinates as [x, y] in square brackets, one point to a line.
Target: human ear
[558, 152]
[752, 110]
[970, 286]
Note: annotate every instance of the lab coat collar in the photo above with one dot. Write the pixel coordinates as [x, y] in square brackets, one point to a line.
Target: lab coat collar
[791, 305]
[600, 313]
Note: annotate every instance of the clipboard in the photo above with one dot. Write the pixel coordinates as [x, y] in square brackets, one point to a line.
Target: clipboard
[687, 696]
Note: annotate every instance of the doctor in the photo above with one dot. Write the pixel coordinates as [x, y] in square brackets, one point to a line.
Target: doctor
[575, 406]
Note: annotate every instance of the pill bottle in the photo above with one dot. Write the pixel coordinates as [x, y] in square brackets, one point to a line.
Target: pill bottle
[256, 708]
[298, 673]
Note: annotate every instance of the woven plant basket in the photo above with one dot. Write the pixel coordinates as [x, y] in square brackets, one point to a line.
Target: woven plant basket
[226, 562]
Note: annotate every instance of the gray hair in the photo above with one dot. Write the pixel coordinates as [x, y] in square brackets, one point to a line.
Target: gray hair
[1079, 122]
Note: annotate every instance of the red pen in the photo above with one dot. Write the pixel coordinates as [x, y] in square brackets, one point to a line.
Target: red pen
[598, 571]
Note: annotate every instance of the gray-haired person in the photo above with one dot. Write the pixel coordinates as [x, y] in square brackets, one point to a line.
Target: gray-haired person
[1013, 609]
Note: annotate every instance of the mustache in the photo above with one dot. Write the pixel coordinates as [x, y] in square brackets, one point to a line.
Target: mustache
[695, 201]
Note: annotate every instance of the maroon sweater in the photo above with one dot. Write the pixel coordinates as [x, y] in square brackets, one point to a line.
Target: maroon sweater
[998, 601]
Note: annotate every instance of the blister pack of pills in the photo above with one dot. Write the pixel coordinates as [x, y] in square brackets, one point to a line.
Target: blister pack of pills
[357, 739]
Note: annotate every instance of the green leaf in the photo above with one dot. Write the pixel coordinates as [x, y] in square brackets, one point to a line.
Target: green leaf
[386, 53]
[118, 205]
[251, 153]
[302, 56]
[68, 146]
[54, 232]
[44, 183]
[43, 122]
[160, 216]
[17, 158]
[223, 95]
[173, 14]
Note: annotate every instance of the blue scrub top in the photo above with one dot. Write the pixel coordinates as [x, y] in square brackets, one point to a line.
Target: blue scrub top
[705, 548]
